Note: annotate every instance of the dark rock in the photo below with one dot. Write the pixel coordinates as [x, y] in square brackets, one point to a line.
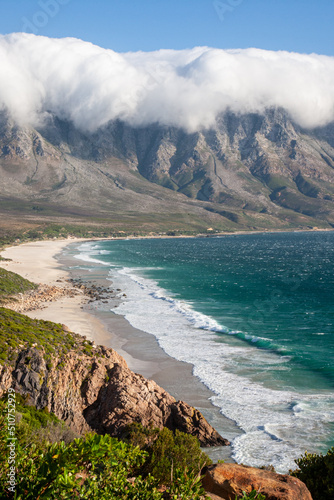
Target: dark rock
[189, 420]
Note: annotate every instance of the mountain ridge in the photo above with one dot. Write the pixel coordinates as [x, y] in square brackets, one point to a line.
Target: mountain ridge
[248, 172]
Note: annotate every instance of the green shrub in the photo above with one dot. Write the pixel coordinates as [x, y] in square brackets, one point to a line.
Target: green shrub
[176, 452]
[317, 472]
[186, 484]
[93, 467]
[138, 435]
[30, 415]
[96, 467]
[175, 460]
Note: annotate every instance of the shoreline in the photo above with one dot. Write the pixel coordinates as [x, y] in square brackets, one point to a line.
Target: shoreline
[46, 271]
[143, 355]
[139, 349]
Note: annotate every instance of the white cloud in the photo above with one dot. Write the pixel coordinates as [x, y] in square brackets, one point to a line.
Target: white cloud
[91, 86]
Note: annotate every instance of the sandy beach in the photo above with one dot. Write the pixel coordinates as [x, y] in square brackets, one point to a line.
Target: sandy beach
[36, 262]
[43, 262]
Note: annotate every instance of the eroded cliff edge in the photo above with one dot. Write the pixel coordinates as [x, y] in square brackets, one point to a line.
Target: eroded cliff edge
[91, 387]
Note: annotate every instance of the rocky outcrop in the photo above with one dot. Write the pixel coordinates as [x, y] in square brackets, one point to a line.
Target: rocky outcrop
[229, 481]
[37, 299]
[129, 397]
[98, 391]
[43, 294]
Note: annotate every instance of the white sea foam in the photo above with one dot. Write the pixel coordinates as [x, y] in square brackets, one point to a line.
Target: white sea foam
[86, 249]
[277, 424]
[87, 258]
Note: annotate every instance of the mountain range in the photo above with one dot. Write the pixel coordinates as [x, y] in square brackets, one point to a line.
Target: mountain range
[247, 172]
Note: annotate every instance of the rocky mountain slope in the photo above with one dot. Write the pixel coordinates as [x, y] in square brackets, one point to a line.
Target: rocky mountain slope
[249, 171]
[87, 386]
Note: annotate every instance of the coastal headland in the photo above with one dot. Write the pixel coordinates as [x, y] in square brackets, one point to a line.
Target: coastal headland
[102, 391]
[58, 300]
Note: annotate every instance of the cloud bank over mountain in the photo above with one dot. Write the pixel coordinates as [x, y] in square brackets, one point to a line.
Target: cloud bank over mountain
[90, 85]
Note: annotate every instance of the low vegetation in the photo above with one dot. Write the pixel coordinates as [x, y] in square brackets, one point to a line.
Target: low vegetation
[169, 454]
[172, 454]
[95, 466]
[18, 331]
[317, 472]
[98, 467]
[55, 231]
[37, 427]
[12, 284]
[253, 495]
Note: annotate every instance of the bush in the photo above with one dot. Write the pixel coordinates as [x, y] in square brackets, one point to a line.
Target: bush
[37, 426]
[94, 467]
[175, 460]
[317, 472]
[176, 452]
[140, 436]
[186, 485]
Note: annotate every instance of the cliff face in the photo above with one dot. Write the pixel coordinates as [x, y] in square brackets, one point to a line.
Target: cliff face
[247, 169]
[100, 392]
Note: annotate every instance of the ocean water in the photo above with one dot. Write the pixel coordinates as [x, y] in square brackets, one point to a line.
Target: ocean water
[254, 316]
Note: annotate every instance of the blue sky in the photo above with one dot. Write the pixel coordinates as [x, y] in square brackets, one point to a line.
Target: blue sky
[130, 25]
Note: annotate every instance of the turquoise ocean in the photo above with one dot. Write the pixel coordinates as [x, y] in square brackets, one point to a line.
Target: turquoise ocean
[254, 316]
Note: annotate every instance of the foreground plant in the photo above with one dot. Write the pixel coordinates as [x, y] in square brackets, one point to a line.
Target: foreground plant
[93, 467]
[253, 495]
[186, 484]
[176, 451]
[317, 472]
